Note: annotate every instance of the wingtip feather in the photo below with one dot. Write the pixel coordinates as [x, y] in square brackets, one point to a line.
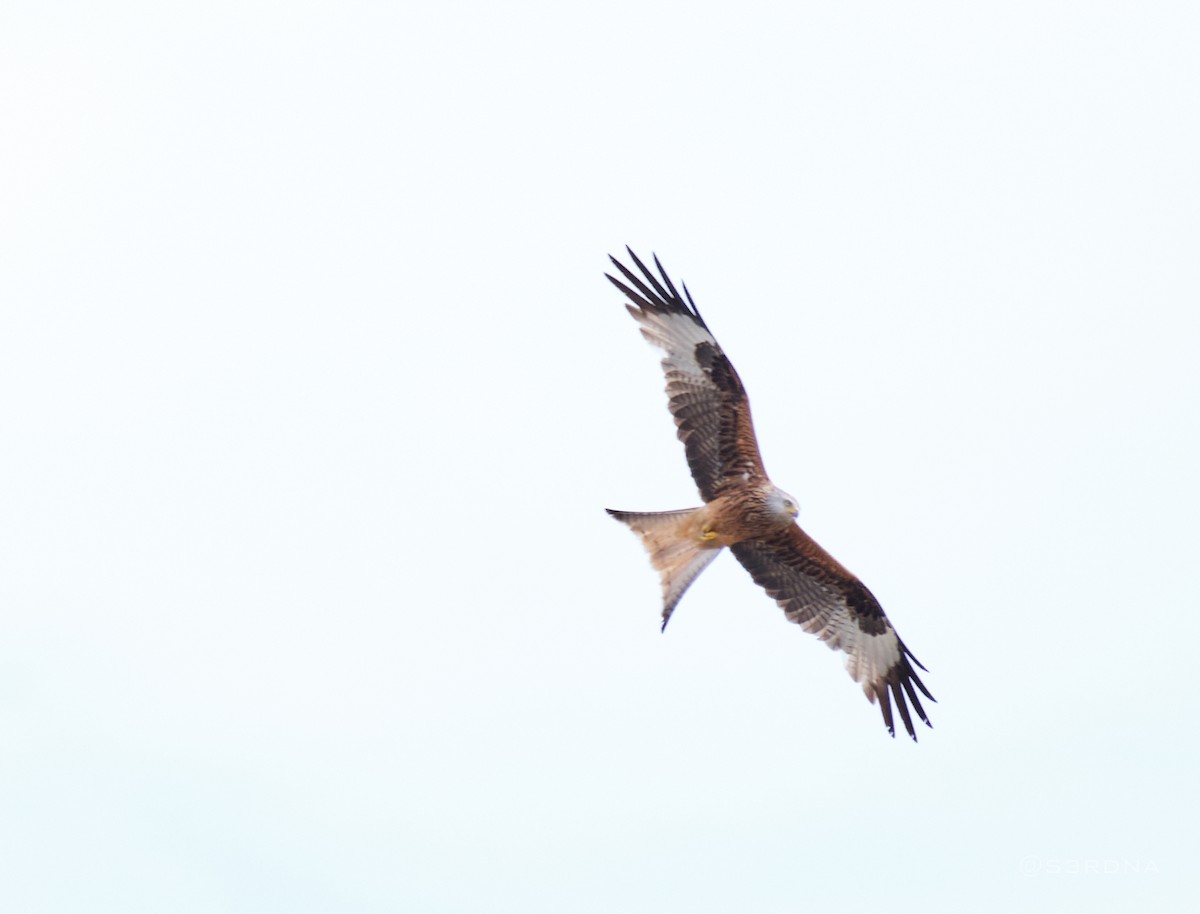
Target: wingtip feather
[654, 294]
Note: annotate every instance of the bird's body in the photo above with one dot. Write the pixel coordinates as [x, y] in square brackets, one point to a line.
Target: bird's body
[745, 512]
[682, 543]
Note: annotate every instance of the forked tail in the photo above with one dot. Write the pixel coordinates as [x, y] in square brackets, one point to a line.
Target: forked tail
[673, 540]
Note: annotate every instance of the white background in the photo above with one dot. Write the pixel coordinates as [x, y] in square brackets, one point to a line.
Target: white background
[312, 395]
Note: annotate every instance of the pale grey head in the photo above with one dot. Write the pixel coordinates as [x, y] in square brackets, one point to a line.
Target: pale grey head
[782, 505]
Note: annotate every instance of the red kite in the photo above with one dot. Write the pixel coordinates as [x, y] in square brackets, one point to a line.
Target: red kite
[748, 513]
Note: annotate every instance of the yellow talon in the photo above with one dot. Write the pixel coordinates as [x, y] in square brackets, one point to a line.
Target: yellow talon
[707, 535]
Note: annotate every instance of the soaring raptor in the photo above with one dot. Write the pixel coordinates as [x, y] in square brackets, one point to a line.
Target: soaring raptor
[748, 513]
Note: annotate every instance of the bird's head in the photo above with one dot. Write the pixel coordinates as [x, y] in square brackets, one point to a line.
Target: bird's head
[784, 506]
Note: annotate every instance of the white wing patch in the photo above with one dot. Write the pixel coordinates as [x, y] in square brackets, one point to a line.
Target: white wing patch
[868, 657]
[678, 334]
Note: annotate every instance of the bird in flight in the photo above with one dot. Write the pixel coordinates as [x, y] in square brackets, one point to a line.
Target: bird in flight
[747, 512]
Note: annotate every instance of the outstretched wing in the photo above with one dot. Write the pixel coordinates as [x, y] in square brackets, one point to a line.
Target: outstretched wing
[821, 596]
[705, 394]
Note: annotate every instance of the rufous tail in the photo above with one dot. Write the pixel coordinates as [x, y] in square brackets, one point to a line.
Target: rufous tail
[673, 540]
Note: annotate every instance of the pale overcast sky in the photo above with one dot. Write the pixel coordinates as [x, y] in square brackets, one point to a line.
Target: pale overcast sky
[313, 395]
